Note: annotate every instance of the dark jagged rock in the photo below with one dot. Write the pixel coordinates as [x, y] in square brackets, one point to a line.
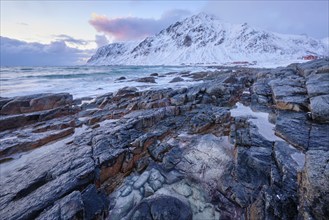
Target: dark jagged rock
[34, 103]
[95, 203]
[4, 101]
[179, 99]
[65, 169]
[149, 79]
[162, 207]
[308, 68]
[314, 187]
[245, 134]
[157, 151]
[201, 122]
[294, 128]
[79, 101]
[20, 120]
[253, 170]
[125, 90]
[289, 93]
[289, 161]
[320, 108]
[261, 93]
[318, 84]
[316, 74]
[177, 79]
[12, 146]
[319, 138]
[69, 207]
[121, 78]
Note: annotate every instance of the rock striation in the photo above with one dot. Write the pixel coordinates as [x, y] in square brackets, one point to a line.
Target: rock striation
[238, 144]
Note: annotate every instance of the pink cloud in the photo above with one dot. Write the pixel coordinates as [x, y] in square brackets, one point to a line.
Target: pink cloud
[131, 28]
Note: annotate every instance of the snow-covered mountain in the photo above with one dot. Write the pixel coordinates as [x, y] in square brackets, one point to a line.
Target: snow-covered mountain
[204, 39]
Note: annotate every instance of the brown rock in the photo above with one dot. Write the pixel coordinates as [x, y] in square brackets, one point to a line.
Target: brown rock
[24, 144]
[34, 103]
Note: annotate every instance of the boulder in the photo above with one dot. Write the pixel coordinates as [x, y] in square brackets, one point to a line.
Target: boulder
[162, 208]
[320, 108]
[176, 79]
[289, 94]
[217, 90]
[318, 65]
[34, 103]
[125, 90]
[121, 78]
[15, 121]
[317, 84]
[149, 79]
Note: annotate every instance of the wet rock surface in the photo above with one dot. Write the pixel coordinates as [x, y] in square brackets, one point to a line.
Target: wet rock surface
[176, 79]
[33, 103]
[162, 207]
[149, 79]
[239, 144]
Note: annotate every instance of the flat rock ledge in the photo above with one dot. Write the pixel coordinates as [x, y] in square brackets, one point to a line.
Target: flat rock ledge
[239, 144]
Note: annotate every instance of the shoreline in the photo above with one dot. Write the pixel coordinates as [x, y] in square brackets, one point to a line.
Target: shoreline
[196, 146]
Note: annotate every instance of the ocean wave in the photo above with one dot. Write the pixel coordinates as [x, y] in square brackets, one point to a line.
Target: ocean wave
[26, 69]
[69, 75]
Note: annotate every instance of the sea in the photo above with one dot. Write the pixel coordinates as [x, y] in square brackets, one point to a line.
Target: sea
[85, 81]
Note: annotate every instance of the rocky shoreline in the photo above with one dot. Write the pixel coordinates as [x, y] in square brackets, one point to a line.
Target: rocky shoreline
[241, 144]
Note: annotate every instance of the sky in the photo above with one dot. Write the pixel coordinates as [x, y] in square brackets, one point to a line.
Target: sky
[62, 32]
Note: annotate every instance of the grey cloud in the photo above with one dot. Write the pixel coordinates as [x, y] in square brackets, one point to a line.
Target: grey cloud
[175, 14]
[22, 23]
[69, 39]
[131, 28]
[20, 53]
[101, 40]
[289, 17]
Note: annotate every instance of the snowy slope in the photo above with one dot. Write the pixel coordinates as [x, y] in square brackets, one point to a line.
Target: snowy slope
[326, 41]
[203, 39]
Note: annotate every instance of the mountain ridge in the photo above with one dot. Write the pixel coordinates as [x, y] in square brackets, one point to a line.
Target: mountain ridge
[204, 39]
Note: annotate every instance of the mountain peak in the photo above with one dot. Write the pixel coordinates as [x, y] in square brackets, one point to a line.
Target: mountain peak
[205, 39]
[204, 15]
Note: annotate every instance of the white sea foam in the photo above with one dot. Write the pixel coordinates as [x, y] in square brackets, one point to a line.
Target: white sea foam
[82, 81]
